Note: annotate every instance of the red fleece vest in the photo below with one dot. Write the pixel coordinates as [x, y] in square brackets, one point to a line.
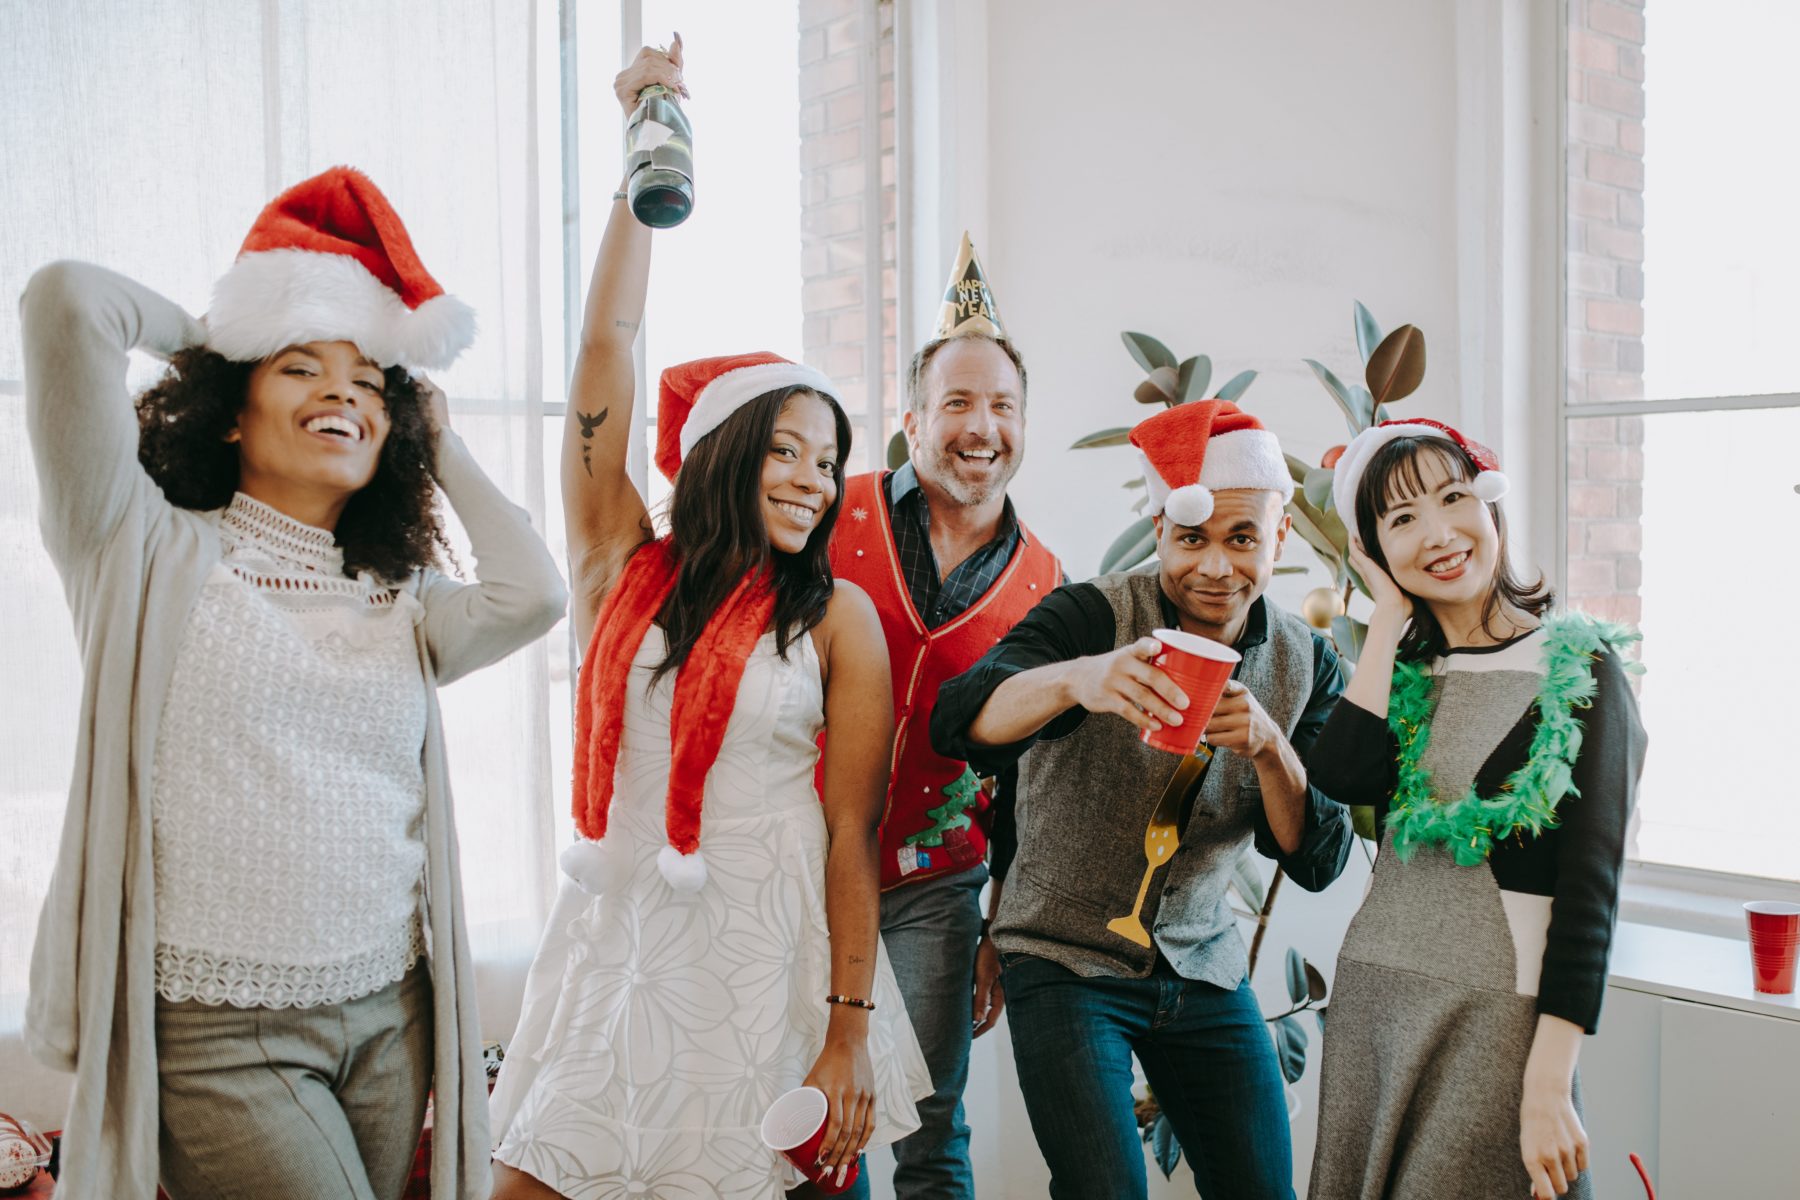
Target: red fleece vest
[936, 821]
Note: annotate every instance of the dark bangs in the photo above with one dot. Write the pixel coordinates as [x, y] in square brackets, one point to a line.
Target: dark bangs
[1397, 473]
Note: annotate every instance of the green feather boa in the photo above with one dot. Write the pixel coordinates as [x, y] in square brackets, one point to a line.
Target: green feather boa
[1527, 802]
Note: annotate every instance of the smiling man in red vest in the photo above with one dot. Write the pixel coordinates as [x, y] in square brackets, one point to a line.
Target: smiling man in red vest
[938, 548]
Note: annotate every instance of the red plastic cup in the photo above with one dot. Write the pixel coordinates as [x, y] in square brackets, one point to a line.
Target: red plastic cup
[795, 1126]
[1774, 944]
[1200, 667]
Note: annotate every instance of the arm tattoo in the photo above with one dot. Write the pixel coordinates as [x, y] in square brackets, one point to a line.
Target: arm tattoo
[589, 423]
[625, 324]
[857, 958]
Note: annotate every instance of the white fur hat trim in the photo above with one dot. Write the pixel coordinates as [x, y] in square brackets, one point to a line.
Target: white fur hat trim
[731, 391]
[272, 299]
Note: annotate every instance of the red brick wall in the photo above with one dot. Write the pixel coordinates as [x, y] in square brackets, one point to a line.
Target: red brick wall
[1605, 290]
[835, 142]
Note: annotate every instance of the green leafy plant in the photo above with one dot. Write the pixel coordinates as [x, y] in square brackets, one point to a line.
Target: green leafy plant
[1168, 381]
[1393, 369]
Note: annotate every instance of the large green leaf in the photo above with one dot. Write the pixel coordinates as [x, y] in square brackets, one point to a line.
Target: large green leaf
[1195, 374]
[1296, 975]
[1315, 983]
[1297, 467]
[1290, 1048]
[1130, 548]
[1161, 386]
[1348, 634]
[1339, 392]
[1247, 882]
[1323, 531]
[1236, 385]
[1161, 1136]
[1397, 367]
[1118, 435]
[1364, 404]
[1317, 486]
[1136, 481]
[1368, 333]
[1362, 821]
[897, 450]
[1149, 353]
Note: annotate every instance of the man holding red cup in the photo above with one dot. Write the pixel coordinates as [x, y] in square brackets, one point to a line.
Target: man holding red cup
[1115, 933]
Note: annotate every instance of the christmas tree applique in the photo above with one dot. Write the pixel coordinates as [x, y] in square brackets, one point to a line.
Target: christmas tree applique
[953, 813]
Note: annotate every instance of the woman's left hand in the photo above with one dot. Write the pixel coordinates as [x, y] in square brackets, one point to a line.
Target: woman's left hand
[846, 1075]
[1551, 1139]
[435, 402]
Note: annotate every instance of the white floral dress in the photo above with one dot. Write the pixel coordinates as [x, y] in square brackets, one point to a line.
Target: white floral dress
[658, 1026]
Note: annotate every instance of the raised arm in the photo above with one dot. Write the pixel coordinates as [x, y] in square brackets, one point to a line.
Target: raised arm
[605, 516]
[80, 323]
[517, 595]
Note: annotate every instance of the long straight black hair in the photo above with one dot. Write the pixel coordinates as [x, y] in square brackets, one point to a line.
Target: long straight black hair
[1393, 476]
[717, 531]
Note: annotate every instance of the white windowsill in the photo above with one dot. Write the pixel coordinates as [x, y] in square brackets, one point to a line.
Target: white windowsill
[1707, 902]
[1698, 967]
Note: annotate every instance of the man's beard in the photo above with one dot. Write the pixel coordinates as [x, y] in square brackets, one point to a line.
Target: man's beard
[945, 466]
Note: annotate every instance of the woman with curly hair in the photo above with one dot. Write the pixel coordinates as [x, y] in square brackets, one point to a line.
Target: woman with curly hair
[689, 976]
[253, 953]
[1499, 744]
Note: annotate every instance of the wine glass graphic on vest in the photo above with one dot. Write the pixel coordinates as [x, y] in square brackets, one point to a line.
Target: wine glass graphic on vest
[1161, 836]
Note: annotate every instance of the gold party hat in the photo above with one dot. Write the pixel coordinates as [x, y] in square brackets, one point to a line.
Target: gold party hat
[968, 301]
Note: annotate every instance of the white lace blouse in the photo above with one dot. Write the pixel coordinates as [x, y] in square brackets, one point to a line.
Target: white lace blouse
[289, 787]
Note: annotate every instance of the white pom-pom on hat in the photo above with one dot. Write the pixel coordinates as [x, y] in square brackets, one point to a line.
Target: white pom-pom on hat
[1189, 505]
[683, 872]
[1490, 486]
[598, 868]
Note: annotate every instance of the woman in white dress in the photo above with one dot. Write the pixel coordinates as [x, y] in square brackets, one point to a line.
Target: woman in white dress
[689, 977]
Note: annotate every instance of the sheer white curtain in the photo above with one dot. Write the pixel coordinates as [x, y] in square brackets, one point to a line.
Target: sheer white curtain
[146, 136]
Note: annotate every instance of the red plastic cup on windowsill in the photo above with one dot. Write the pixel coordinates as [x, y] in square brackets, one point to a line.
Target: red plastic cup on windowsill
[1774, 944]
[1200, 667]
[795, 1127]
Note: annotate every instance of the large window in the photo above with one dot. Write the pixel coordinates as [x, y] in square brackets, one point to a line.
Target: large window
[1682, 410]
[493, 127]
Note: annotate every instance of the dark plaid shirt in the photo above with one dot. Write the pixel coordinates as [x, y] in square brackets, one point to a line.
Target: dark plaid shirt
[939, 600]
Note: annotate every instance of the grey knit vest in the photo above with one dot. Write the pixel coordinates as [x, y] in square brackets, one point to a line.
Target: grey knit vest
[1084, 802]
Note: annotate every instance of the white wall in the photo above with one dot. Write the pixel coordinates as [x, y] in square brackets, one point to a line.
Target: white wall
[1228, 178]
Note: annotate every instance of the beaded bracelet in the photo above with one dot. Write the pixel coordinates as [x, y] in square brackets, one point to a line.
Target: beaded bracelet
[852, 1001]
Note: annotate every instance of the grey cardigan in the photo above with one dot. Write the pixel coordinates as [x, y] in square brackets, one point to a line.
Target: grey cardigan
[132, 565]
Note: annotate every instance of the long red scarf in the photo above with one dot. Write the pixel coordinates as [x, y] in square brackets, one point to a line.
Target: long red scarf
[705, 690]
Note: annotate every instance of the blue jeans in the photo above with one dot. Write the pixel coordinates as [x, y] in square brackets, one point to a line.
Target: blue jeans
[1208, 1057]
[930, 930]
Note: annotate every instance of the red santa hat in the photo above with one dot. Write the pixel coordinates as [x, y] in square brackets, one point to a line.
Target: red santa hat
[1193, 450]
[1347, 474]
[329, 260]
[696, 397]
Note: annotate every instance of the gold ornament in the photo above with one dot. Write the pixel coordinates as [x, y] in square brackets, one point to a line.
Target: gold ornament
[1320, 605]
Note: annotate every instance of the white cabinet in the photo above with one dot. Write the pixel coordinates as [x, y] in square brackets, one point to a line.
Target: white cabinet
[1704, 1086]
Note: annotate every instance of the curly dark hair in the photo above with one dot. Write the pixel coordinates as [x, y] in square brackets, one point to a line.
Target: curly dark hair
[389, 528]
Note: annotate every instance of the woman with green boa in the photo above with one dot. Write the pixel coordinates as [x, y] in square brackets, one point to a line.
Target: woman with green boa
[1498, 742]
